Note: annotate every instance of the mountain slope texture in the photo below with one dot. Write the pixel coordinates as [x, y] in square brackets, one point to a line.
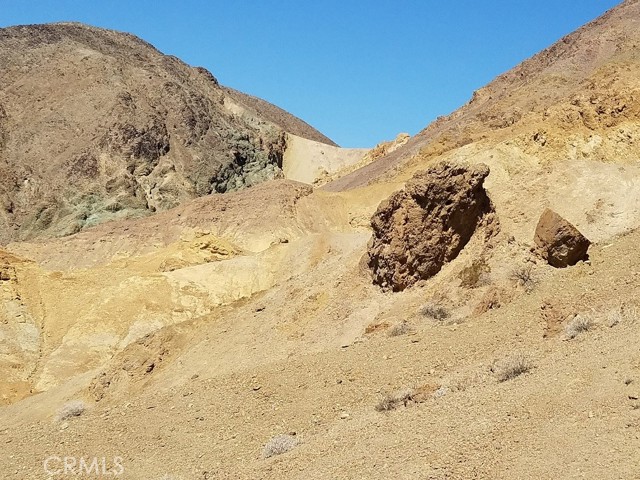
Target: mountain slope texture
[98, 125]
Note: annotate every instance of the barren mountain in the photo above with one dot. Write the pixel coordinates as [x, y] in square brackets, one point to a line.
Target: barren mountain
[97, 125]
[409, 320]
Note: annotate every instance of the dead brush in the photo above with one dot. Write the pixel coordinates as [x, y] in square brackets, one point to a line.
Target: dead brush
[511, 367]
[435, 311]
[524, 277]
[578, 325]
[390, 402]
[280, 444]
[74, 408]
[476, 274]
[625, 314]
[401, 328]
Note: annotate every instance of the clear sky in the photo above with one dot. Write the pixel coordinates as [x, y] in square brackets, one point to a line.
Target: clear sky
[360, 71]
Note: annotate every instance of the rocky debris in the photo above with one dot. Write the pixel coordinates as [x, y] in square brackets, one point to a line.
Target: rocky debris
[133, 364]
[7, 273]
[492, 299]
[419, 229]
[559, 242]
[8, 264]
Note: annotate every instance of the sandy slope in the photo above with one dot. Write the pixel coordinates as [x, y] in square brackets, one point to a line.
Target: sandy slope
[221, 389]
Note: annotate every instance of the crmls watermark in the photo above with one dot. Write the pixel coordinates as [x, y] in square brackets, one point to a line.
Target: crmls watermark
[56, 466]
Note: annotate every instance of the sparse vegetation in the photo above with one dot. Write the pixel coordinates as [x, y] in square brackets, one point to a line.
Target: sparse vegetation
[511, 367]
[398, 329]
[523, 276]
[435, 311]
[390, 402]
[71, 409]
[614, 317]
[404, 396]
[578, 325]
[280, 444]
[386, 403]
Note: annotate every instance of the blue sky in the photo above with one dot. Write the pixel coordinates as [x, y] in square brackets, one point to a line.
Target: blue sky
[360, 71]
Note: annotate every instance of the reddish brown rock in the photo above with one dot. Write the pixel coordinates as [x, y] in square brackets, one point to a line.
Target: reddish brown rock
[559, 242]
[419, 229]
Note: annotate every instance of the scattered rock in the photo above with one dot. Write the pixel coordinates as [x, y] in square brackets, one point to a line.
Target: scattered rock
[419, 229]
[559, 242]
[554, 316]
[492, 299]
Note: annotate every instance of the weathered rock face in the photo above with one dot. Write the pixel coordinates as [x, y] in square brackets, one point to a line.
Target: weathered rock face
[19, 331]
[97, 125]
[419, 229]
[558, 241]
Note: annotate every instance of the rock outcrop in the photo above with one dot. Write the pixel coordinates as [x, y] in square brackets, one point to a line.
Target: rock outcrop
[419, 229]
[559, 242]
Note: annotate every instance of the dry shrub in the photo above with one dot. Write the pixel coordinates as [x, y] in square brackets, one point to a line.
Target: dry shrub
[71, 409]
[523, 276]
[280, 444]
[390, 402]
[401, 328]
[435, 311]
[386, 403]
[625, 314]
[578, 325]
[511, 367]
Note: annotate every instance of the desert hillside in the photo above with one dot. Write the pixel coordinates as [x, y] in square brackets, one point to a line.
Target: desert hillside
[576, 99]
[462, 304]
[97, 125]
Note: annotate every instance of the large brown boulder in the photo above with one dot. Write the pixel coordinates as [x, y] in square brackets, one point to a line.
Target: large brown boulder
[558, 241]
[419, 229]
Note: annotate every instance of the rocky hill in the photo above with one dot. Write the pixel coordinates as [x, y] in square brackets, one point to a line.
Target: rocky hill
[97, 125]
[459, 305]
[576, 99]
